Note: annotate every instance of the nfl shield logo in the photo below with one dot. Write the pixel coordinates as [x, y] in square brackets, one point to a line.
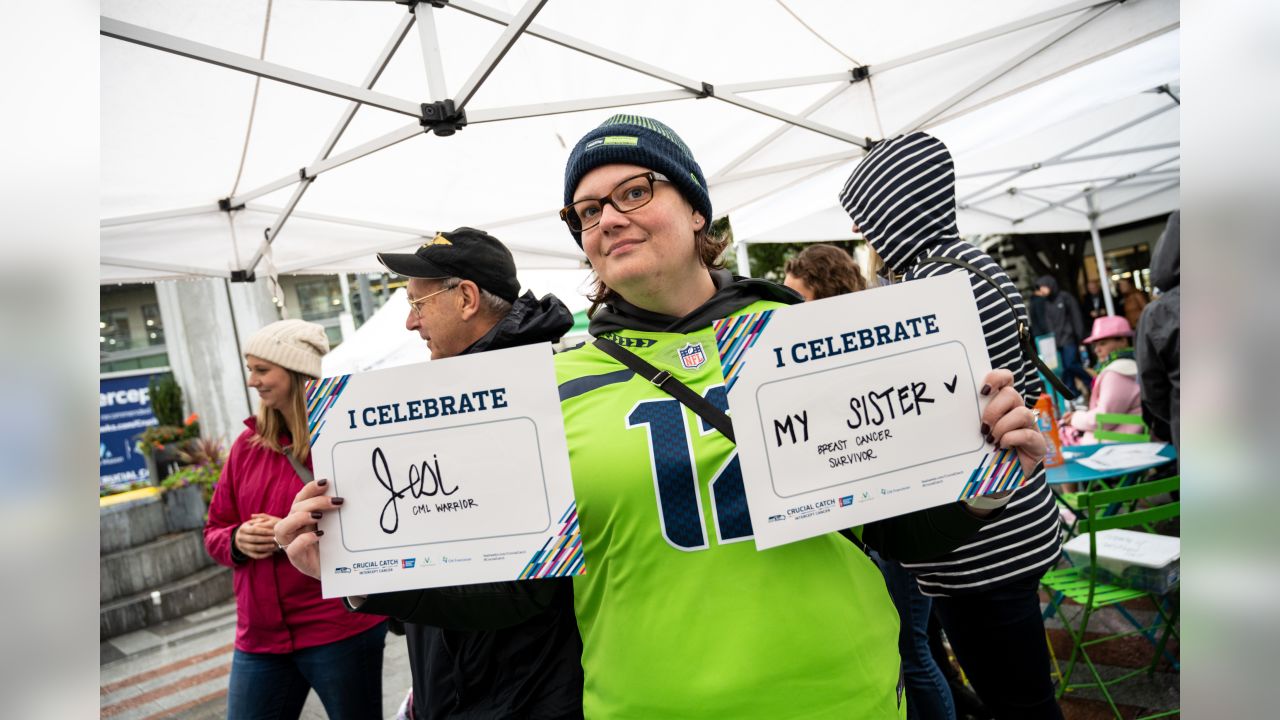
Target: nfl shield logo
[691, 356]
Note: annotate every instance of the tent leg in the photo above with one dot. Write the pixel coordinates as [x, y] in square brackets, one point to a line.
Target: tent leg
[235, 333]
[1103, 277]
[744, 262]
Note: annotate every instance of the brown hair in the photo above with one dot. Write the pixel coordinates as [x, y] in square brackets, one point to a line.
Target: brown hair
[827, 269]
[710, 247]
[273, 423]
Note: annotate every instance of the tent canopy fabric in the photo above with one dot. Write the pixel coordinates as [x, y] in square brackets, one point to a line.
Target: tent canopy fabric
[778, 99]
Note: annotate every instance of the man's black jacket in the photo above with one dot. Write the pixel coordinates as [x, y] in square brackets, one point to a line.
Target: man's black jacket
[495, 650]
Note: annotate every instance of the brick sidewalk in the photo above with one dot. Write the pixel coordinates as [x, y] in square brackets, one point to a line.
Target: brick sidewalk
[180, 670]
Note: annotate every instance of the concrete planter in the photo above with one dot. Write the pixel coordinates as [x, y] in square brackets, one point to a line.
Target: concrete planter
[183, 508]
[130, 524]
[153, 564]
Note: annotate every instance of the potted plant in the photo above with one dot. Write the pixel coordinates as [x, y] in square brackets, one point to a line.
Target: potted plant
[186, 492]
[162, 443]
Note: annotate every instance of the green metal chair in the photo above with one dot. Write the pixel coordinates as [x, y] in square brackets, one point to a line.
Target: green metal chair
[1104, 435]
[1083, 585]
[1072, 499]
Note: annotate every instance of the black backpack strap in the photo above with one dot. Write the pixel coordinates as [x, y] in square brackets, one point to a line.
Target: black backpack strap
[695, 402]
[852, 537]
[1024, 332]
[670, 385]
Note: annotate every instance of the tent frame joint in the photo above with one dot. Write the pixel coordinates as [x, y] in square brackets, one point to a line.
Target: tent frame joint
[1165, 89]
[413, 4]
[859, 73]
[443, 117]
[243, 276]
[224, 205]
[708, 90]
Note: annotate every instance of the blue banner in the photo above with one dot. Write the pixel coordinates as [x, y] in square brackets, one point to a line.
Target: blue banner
[124, 411]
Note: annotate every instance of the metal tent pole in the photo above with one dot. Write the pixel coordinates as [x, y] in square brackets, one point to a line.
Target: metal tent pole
[207, 53]
[1103, 278]
[1005, 67]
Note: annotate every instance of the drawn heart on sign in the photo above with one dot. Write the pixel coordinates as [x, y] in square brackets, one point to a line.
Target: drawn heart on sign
[951, 386]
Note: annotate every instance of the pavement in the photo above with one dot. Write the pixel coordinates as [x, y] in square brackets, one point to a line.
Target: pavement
[180, 670]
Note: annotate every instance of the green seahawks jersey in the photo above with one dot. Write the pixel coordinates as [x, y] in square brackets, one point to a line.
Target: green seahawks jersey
[680, 615]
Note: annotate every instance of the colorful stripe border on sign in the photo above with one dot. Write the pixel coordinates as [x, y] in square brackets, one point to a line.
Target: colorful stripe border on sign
[734, 335]
[321, 395]
[561, 555]
[1004, 472]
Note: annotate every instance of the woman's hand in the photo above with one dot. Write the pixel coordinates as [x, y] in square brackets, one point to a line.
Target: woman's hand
[297, 532]
[1008, 423]
[254, 538]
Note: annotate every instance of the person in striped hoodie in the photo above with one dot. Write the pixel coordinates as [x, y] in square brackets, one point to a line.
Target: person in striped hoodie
[902, 198]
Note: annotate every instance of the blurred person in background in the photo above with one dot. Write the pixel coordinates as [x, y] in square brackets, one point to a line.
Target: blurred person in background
[288, 638]
[1157, 353]
[1094, 305]
[1115, 387]
[822, 271]
[1062, 318]
[1132, 300]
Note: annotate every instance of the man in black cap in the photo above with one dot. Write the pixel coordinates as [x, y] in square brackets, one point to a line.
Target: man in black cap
[462, 284]
[507, 649]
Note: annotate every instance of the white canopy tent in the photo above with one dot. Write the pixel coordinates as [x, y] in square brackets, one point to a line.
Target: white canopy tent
[1091, 149]
[243, 140]
[344, 159]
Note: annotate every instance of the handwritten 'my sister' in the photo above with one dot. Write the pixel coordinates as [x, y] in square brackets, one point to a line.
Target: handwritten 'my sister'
[424, 481]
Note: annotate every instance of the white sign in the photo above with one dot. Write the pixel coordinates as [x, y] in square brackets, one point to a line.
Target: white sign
[861, 407]
[452, 472]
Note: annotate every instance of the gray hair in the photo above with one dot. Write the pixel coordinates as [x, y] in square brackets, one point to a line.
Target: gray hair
[490, 304]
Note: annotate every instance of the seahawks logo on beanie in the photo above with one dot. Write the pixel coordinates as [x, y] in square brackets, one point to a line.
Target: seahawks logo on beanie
[644, 142]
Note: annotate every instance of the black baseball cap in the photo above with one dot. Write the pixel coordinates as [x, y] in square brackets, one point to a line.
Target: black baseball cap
[466, 253]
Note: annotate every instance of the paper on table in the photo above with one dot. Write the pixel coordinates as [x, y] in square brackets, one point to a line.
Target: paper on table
[1124, 455]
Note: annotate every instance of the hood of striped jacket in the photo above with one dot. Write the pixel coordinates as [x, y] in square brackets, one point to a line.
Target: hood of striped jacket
[902, 197]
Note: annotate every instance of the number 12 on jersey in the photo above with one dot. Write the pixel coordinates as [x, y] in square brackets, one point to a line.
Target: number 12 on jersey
[675, 476]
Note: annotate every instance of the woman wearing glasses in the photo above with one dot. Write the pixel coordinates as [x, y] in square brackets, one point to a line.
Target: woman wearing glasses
[680, 616]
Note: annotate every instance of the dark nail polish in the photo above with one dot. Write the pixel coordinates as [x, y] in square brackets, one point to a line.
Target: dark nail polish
[986, 390]
[337, 500]
[986, 429]
[319, 533]
[322, 482]
[991, 439]
[317, 514]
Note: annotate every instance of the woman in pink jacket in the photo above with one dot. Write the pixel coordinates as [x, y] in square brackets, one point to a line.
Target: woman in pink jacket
[1115, 387]
[288, 638]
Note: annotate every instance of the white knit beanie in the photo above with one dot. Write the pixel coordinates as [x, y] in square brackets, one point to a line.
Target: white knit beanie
[293, 344]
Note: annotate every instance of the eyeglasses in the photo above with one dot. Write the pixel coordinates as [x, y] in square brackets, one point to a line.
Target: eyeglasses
[413, 304]
[631, 194]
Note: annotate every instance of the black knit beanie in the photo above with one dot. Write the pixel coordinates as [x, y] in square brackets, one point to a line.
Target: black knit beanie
[638, 140]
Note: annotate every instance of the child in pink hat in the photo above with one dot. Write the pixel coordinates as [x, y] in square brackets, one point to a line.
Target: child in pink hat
[1115, 387]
